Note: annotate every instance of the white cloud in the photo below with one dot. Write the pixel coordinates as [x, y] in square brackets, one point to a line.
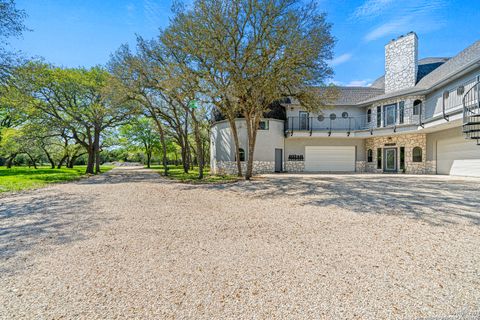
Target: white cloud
[353, 83]
[340, 59]
[360, 83]
[371, 8]
[387, 29]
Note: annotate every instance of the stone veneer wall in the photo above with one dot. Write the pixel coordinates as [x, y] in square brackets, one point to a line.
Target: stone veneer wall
[294, 166]
[409, 141]
[360, 166]
[401, 63]
[230, 167]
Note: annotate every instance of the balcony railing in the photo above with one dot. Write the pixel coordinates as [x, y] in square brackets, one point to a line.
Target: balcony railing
[401, 117]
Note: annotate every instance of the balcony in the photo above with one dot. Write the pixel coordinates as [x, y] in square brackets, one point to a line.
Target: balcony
[317, 124]
[392, 116]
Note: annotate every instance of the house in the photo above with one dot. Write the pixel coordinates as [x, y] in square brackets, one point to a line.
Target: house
[421, 117]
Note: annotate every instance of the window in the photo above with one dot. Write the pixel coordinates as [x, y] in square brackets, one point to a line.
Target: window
[379, 117]
[333, 116]
[242, 155]
[369, 115]
[320, 117]
[417, 154]
[390, 113]
[460, 90]
[379, 158]
[345, 115]
[417, 104]
[263, 125]
[303, 120]
[369, 155]
[401, 112]
[402, 158]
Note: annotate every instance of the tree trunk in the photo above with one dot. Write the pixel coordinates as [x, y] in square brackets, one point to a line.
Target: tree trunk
[96, 148]
[252, 125]
[90, 160]
[162, 141]
[149, 158]
[9, 162]
[52, 163]
[233, 126]
[32, 160]
[62, 161]
[198, 142]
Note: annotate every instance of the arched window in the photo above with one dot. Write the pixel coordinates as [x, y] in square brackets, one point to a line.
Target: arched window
[369, 155]
[417, 104]
[369, 115]
[417, 154]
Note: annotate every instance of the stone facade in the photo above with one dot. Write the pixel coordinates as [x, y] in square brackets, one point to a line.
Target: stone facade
[401, 63]
[431, 167]
[230, 167]
[408, 141]
[295, 166]
[360, 166]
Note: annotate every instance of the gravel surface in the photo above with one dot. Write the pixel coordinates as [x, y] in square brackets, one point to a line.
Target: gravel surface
[129, 244]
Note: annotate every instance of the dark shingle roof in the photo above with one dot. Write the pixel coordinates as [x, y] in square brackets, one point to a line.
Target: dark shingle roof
[425, 66]
[446, 71]
[454, 65]
[352, 95]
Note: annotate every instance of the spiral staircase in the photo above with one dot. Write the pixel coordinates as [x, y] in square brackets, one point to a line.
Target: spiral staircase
[471, 113]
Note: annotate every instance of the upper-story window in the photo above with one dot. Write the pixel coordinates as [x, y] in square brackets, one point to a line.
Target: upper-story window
[263, 125]
[379, 116]
[417, 105]
[390, 112]
[345, 115]
[369, 115]
[401, 112]
[333, 116]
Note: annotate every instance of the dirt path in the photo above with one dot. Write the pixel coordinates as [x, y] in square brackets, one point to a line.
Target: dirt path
[128, 244]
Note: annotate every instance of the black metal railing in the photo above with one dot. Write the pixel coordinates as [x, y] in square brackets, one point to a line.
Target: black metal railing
[311, 124]
[471, 113]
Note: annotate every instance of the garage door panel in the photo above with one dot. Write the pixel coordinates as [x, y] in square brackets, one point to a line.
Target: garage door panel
[330, 158]
[458, 157]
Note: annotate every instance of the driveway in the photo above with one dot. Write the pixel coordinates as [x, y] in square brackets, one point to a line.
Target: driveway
[129, 244]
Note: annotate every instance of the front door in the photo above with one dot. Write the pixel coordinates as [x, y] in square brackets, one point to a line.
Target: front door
[303, 120]
[278, 160]
[390, 164]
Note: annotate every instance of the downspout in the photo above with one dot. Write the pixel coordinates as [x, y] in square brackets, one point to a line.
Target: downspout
[445, 116]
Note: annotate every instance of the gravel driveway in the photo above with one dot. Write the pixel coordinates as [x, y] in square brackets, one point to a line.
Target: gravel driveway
[129, 244]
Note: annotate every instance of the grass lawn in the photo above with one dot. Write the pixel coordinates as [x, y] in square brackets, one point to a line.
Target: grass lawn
[22, 178]
[176, 173]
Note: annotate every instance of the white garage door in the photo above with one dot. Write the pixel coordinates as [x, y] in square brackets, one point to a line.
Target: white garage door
[331, 158]
[458, 157]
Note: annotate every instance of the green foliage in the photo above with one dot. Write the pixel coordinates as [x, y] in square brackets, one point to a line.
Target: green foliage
[22, 178]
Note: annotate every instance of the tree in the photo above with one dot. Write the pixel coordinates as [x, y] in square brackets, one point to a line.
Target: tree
[141, 132]
[11, 25]
[78, 100]
[251, 53]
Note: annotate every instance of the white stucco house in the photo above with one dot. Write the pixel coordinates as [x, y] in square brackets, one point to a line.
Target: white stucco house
[421, 117]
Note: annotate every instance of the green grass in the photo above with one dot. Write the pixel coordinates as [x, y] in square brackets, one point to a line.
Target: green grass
[176, 173]
[22, 178]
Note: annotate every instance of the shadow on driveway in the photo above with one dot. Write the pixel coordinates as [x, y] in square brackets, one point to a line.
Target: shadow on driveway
[435, 199]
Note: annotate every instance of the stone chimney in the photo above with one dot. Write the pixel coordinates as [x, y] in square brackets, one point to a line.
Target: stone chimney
[401, 63]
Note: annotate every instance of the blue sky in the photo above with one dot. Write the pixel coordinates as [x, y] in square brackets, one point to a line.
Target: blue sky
[84, 32]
